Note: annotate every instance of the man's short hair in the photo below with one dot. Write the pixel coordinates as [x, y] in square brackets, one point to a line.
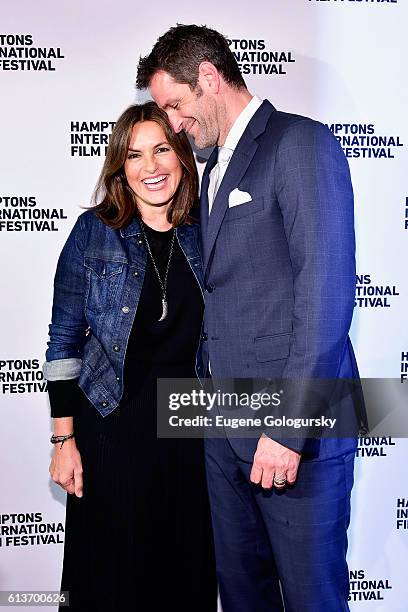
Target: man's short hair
[180, 51]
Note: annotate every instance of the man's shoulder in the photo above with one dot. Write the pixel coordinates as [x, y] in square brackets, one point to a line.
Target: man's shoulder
[290, 126]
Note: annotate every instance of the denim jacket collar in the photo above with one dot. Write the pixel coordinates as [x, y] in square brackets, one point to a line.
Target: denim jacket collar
[133, 229]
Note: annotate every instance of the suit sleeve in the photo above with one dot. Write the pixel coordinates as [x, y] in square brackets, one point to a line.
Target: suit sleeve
[315, 196]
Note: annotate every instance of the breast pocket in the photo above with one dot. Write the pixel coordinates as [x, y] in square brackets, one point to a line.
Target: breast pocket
[103, 279]
[243, 210]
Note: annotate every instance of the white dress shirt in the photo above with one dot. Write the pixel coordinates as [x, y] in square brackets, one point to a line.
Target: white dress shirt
[233, 137]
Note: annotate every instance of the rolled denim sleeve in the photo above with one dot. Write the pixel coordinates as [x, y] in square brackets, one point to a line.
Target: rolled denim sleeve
[68, 323]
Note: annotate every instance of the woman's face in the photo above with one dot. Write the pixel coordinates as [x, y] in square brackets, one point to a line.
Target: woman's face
[152, 168]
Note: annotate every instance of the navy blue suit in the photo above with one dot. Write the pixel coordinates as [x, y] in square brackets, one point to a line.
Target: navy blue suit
[280, 278]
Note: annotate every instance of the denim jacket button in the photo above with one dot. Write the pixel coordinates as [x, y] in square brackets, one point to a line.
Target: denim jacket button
[116, 348]
[104, 404]
[136, 273]
[125, 309]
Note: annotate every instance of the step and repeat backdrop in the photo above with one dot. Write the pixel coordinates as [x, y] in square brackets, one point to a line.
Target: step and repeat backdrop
[67, 71]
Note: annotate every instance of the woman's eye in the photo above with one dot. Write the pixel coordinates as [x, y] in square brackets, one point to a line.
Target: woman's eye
[133, 155]
[163, 149]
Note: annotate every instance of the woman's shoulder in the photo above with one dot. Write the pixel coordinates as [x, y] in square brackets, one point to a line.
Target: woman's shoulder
[89, 218]
[88, 222]
[89, 230]
[190, 228]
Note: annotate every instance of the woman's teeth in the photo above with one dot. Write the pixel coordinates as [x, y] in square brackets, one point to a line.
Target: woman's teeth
[153, 181]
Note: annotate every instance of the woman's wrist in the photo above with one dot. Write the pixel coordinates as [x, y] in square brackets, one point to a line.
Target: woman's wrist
[61, 439]
[63, 426]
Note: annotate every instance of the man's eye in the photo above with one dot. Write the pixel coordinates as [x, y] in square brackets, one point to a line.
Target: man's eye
[175, 106]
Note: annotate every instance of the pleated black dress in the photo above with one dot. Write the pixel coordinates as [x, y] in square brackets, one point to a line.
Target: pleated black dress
[142, 530]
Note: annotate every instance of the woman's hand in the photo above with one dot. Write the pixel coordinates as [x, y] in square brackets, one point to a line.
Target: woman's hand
[66, 467]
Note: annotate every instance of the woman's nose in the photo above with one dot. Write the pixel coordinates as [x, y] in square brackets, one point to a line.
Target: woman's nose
[150, 164]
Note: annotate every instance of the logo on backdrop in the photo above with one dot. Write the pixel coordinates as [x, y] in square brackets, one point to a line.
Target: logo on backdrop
[361, 140]
[90, 138]
[20, 214]
[369, 295]
[28, 529]
[402, 513]
[367, 589]
[406, 214]
[21, 376]
[404, 366]
[374, 447]
[254, 58]
[18, 52]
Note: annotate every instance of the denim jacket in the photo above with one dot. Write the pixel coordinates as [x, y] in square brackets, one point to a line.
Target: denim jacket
[97, 287]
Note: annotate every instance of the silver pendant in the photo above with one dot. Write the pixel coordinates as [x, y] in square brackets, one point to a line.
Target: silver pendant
[164, 310]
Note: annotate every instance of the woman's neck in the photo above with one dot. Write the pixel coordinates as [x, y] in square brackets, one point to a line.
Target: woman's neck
[155, 217]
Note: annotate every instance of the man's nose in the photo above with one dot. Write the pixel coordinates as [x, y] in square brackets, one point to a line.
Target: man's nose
[175, 120]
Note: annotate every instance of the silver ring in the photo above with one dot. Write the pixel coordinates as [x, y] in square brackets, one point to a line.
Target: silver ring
[279, 481]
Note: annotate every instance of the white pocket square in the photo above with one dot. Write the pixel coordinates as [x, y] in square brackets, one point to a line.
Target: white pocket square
[237, 197]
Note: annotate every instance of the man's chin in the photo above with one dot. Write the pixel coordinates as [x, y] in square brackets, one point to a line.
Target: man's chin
[202, 144]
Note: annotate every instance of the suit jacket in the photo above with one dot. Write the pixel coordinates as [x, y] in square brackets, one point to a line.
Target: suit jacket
[279, 271]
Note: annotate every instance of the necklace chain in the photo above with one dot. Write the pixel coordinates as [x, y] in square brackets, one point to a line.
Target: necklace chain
[163, 285]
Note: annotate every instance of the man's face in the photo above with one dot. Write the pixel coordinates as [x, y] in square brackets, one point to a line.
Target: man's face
[195, 112]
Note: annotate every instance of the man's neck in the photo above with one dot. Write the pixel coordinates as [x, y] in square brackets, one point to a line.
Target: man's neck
[234, 103]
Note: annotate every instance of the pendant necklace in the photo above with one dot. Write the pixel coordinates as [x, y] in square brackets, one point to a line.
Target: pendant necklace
[163, 284]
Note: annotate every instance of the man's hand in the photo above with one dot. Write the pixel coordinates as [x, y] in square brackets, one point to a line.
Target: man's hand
[274, 464]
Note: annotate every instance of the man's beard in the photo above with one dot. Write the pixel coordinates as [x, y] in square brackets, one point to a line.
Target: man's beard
[206, 135]
[208, 132]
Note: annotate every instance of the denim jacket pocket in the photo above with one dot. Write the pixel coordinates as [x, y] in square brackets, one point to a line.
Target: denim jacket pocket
[103, 278]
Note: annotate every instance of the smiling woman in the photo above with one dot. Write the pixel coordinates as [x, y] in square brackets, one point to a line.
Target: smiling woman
[127, 310]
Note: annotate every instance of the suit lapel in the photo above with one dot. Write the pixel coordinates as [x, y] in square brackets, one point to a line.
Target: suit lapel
[204, 207]
[237, 167]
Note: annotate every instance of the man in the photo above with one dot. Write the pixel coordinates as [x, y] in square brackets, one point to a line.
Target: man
[278, 249]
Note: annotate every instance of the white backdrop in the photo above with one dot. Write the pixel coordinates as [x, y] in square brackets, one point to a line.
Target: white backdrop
[67, 70]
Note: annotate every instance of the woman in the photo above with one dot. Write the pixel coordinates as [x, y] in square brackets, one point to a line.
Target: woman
[127, 309]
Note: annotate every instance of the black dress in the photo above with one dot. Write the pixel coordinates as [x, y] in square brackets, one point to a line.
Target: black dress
[142, 530]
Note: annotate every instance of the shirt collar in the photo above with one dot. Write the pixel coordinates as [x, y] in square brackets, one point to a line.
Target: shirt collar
[241, 122]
